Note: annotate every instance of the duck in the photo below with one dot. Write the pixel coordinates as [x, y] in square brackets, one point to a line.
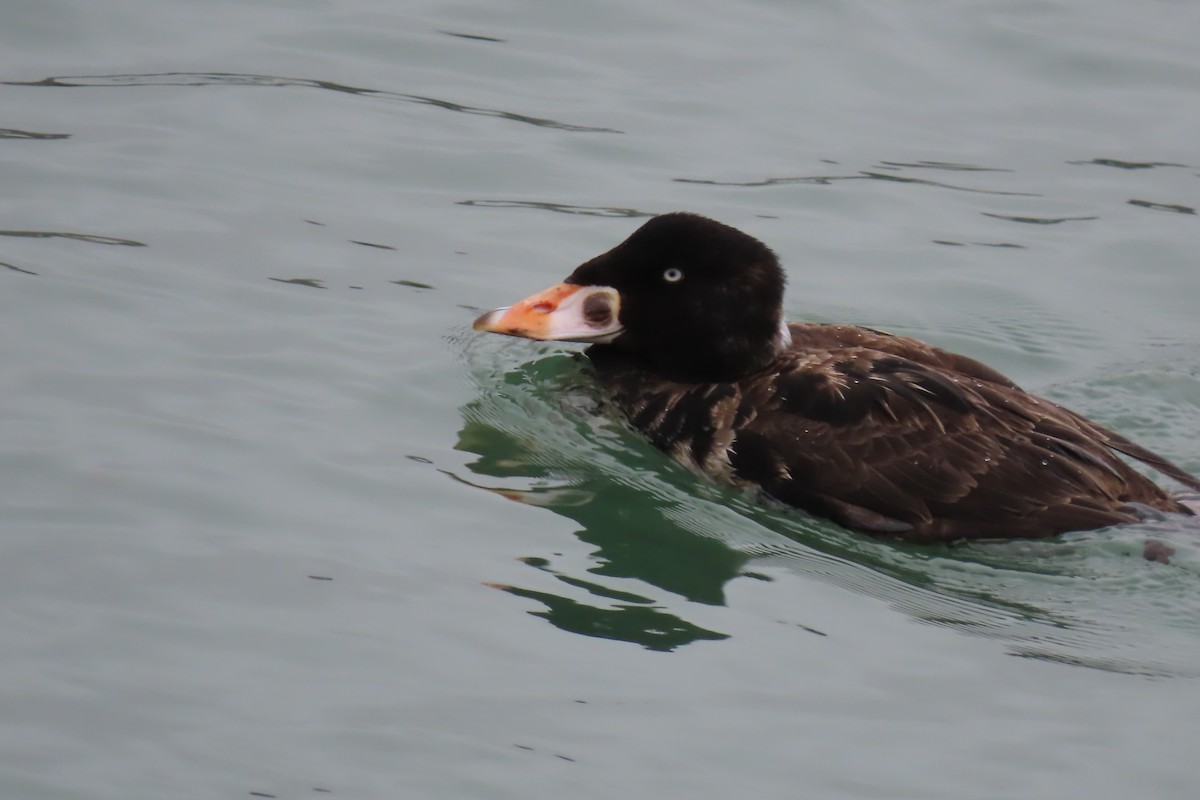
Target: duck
[880, 433]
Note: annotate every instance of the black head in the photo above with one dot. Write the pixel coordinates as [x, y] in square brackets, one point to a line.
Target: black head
[699, 300]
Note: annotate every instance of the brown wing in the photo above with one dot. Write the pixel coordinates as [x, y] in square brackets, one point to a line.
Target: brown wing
[889, 435]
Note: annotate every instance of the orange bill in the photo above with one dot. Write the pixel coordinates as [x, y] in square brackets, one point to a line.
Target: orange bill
[564, 312]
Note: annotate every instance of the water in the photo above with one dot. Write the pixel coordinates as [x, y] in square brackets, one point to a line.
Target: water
[259, 477]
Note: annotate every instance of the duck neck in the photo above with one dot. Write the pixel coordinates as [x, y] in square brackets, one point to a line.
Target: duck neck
[722, 356]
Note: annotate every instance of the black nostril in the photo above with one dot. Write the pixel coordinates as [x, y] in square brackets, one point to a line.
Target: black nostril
[597, 309]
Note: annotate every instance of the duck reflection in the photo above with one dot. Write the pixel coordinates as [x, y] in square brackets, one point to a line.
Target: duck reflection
[633, 538]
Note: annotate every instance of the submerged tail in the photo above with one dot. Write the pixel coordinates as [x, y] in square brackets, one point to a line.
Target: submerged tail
[1148, 457]
[1190, 501]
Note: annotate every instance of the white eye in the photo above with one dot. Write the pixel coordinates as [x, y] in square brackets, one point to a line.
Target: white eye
[673, 275]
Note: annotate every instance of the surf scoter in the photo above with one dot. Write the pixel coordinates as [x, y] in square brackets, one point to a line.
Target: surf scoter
[880, 433]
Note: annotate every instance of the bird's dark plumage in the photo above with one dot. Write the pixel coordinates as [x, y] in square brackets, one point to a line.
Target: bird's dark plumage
[883, 434]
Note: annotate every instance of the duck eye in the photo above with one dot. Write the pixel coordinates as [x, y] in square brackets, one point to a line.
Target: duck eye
[673, 275]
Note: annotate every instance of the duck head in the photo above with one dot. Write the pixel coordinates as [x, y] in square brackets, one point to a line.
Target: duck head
[690, 298]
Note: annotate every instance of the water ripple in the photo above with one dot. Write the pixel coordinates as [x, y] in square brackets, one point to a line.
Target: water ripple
[978, 244]
[13, 133]
[879, 176]
[1119, 164]
[312, 283]
[475, 37]
[1178, 209]
[15, 268]
[944, 165]
[828, 180]
[1037, 220]
[79, 237]
[560, 208]
[242, 79]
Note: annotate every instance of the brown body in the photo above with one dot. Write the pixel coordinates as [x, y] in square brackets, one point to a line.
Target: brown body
[891, 436]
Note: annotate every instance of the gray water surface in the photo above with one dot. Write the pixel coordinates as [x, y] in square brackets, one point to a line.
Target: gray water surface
[276, 522]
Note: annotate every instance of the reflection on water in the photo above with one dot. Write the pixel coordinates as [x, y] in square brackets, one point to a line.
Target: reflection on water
[649, 626]
[633, 538]
[542, 437]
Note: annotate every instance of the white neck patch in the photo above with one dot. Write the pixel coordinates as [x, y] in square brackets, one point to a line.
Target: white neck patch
[783, 337]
